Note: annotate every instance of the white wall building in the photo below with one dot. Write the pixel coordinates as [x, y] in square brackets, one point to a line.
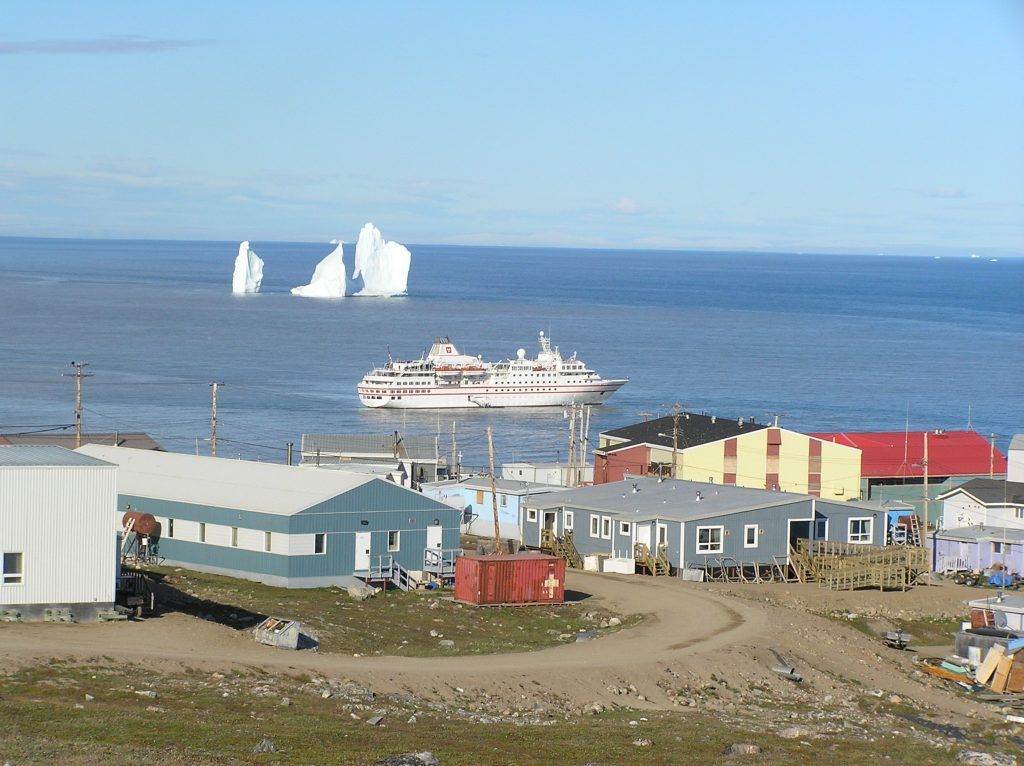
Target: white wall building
[1015, 459]
[58, 548]
[984, 502]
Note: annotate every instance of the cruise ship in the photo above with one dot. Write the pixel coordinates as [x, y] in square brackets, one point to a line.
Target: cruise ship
[445, 379]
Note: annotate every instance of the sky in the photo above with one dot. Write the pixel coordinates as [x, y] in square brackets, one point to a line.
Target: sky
[851, 126]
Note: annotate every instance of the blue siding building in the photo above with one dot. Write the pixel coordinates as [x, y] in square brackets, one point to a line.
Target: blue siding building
[699, 523]
[281, 525]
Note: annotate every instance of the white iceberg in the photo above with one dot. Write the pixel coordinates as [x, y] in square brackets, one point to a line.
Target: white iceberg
[384, 266]
[328, 277]
[248, 271]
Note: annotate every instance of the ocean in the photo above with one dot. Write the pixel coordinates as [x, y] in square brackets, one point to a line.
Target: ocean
[823, 342]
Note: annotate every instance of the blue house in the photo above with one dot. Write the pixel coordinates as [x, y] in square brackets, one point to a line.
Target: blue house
[700, 524]
[281, 525]
[473, 497]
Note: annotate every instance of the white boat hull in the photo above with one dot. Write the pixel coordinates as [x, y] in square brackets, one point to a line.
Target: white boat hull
[472, 397]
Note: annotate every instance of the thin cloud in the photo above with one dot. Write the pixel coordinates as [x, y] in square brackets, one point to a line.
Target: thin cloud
[944, 192]
[99, 45]
[626, 205]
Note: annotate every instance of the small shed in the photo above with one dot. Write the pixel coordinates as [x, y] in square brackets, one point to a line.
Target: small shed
[510, 579]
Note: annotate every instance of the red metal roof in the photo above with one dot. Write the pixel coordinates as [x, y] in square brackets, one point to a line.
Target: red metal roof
[898, 454]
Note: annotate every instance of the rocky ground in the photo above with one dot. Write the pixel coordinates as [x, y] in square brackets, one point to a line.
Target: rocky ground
[699, 652]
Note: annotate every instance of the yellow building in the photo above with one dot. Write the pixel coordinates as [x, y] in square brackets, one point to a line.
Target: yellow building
[737, 452]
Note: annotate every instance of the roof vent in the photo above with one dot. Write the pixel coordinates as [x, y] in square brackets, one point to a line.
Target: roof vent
[712, 420]
[740, 421]
[635, 488]
[940, 431]
[699, 496]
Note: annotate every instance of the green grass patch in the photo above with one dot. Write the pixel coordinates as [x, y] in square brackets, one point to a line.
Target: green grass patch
[394, 622]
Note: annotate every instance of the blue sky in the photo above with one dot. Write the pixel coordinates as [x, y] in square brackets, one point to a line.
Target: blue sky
[793, 126]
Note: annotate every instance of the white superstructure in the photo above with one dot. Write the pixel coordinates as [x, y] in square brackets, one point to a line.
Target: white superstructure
[446, 379]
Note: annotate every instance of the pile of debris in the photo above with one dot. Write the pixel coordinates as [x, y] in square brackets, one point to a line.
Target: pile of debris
[996, 630]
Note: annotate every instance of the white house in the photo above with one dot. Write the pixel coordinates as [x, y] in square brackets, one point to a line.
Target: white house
[59, 549]
[984, 502]
[1015, 459]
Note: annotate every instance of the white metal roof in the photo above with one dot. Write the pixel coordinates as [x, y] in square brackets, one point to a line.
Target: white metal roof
[44, 455]
[223, 482]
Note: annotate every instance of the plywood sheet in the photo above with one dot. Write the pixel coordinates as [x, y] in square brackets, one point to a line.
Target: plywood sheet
[988, 666]
[1002, 674]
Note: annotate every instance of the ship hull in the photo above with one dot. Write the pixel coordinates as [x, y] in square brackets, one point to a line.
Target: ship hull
[477, 396]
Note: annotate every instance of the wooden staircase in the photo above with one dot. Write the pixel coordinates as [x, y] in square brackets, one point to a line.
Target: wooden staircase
[564, 548]
[655, 565]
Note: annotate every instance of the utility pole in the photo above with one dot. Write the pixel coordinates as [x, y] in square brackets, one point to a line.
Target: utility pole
[924, 465]
[291, 445]
[213, 420]
[675, 436]
[992, 458]
[494, 494]
[454, 453]
[571, 460]
[78, 375]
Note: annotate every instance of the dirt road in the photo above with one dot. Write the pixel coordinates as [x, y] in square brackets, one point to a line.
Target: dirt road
[691, 634]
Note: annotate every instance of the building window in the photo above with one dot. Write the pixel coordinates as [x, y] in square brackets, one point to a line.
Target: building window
[319, 543]
[392, 541]
[479, 496]
[821, 529]
[234, 537]
[662, 535]
[997, 547]
[709, 539]
[595, 526]
[624, 528]
[266, 541]
[567, 519]
[606, 528]
[531, 515]
[1018, 513]
[750, 535]
[13, 572]
[170, 527]
[860, 531]
[504, 500]
[202, 531]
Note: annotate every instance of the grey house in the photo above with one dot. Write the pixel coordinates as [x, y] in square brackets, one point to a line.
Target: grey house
[700, 524]
[281, 525]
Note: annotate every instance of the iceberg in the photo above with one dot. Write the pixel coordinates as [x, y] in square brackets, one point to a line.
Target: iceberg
[383, 265]
[248, 271]
[328, 277]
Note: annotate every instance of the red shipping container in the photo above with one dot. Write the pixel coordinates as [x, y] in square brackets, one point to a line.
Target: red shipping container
[510, 579]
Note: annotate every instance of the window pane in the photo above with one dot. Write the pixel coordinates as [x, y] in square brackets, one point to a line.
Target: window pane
[14, 568]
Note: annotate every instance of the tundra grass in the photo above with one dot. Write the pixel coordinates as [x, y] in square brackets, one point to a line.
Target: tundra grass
[200, 718]
[412, 624]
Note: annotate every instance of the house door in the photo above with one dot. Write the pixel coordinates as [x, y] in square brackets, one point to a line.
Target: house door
[549, 522]
[643, 535]
[362, 558]
[662, 535]
[799, 529]
[434, 536]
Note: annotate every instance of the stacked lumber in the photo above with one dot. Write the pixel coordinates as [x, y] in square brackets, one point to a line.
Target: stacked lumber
[1002, 670]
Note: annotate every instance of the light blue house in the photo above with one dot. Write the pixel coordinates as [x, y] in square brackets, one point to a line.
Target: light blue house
[474, 499]
[281, 525]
